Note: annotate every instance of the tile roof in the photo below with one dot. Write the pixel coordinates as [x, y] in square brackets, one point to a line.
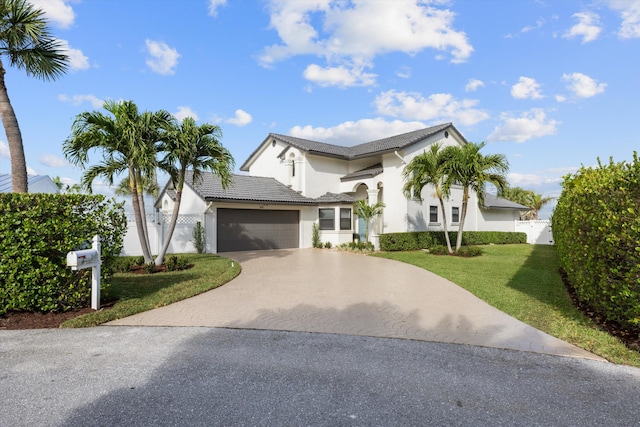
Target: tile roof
[367, 149]
[368, 172]
[246, 188]
[329, 198]
[493, 202]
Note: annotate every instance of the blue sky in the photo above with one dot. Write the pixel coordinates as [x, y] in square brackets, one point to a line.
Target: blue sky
[551, 84]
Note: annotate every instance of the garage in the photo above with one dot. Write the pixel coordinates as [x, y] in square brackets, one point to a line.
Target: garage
[257, 229]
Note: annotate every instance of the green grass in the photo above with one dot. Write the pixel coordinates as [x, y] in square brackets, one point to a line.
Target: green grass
[136, 293]
[523, 281]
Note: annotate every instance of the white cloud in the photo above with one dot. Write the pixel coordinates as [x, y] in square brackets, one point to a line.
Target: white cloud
[77, 60]
[582, 85]
[352, 133]
[31, 171]
[588, 27]
[53, 161]
[526, 88]
[163, 59]
[531, 124]
[473, 85]
[214, 5]
[184, 112]
[354, 33]
[404, 72]
[242, 118]
[439, 106]
[57, 11]
[539, 24]
[79, 99]
[4, 150]
[338, 76]
[630, 14]
[561, 98]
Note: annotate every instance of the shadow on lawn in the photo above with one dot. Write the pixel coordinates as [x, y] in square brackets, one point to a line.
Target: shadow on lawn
[539, 277]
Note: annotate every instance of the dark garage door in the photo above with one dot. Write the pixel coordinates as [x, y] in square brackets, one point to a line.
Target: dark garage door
[257, 229]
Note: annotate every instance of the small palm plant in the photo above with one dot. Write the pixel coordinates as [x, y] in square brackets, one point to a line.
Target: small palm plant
[368, 212]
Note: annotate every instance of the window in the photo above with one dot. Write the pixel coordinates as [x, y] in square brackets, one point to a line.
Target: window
[293, 167]
[327, 219]
[455, 214]
[345, 219]
[433, 214]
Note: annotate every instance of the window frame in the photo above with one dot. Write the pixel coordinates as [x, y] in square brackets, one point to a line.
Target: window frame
[345, 223]
[324, 222]
[433, 212]
[455, 214]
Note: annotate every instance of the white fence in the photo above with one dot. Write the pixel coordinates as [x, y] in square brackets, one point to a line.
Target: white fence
[157, 227]
[538, 231]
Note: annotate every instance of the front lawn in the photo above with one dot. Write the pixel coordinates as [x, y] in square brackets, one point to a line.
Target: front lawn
[135, 293]
[523, 281]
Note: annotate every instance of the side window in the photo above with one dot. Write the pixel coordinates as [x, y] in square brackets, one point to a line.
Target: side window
[433, 214]
[345, 219]
[327, 219]
[455, 214]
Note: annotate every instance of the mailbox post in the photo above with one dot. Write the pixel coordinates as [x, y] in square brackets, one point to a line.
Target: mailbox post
[89, 258]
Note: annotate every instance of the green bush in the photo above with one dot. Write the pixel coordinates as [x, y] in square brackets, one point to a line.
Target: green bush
[315, 235]
[37, 231]
[416, 240]
[469, 251]
[596, 228]
[438, 250]
[199, 238]
[327, 245]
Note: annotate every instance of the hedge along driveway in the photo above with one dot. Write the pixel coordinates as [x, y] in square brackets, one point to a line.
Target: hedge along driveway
[523, 281]
[37, 231]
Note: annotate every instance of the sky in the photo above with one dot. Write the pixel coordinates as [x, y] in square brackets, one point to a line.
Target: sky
[550, 84]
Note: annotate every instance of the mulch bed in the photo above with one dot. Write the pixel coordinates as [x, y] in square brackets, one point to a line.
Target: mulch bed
[23, 320]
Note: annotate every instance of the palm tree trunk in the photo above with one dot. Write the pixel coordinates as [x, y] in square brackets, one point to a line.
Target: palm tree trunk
[172, 227]
[19, 180]
[143, 209]
[463, 215]
[138, 217]
[444, 224]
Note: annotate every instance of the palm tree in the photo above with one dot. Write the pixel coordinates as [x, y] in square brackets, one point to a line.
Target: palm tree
[198, 148]
[518, 195]
[528, 198]
[127, 140]
[424, 169]
[467, 167]
[536, 203]
[26, 42]
[368, 212]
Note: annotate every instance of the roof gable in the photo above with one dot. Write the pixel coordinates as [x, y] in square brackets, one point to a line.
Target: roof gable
[380, 146]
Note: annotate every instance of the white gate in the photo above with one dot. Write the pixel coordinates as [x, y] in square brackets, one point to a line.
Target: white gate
[538, 231]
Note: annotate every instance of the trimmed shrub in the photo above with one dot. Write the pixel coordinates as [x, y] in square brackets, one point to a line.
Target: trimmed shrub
[37, 231]
[416, 240]
[596, 228]
[469, 251]
[315, 235]
[199, 238]
[438, 250]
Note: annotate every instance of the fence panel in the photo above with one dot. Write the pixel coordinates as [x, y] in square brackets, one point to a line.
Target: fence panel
[157, 227]
[538, 231]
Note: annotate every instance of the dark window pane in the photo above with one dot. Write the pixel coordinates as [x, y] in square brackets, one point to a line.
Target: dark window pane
[433, 214]
[327, 219]
[455, 214]
[345, 219]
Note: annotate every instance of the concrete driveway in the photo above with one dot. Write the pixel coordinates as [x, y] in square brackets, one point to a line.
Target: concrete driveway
[327, 291]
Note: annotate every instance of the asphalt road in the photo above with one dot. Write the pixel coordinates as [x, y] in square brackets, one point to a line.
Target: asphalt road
[205, 376]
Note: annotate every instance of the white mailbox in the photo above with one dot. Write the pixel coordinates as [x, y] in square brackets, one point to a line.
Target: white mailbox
[86, 258]
[89, 258]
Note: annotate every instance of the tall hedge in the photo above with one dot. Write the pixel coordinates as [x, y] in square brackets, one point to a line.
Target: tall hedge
[37, 231]
[416, 240]
[596, 229]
